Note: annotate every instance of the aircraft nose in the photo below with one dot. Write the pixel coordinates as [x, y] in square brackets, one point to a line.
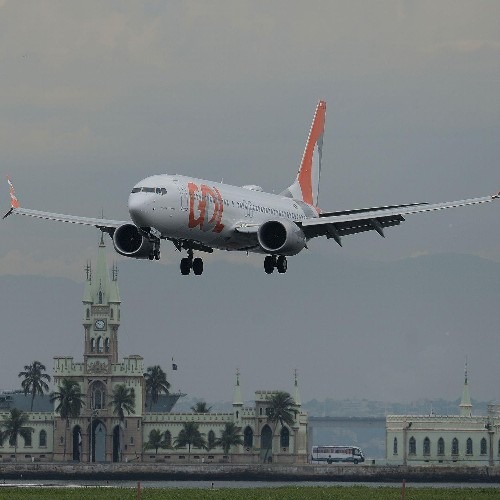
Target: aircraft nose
[137, 208]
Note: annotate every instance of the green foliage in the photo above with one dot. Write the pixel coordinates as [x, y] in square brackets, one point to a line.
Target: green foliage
[122, 400]
[156, 440]
[230, 436]
[13, 426]
[201, 407]
[190, 436]
[34, 380]
[69, 398]
[346, 492]
[281, 409]
[156, 383]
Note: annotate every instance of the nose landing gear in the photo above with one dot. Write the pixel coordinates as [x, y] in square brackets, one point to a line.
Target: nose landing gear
[272, 262]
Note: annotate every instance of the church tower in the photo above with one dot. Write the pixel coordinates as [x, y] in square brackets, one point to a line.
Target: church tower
[101, 304]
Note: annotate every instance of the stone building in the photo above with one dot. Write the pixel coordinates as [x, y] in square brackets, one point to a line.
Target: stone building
[98, 435]
[443, 439]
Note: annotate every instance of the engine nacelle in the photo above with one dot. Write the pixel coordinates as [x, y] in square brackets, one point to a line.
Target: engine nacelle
[129, 241]
[281, 237]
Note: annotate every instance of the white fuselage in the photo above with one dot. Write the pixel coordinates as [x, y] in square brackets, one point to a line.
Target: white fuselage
[213, 214]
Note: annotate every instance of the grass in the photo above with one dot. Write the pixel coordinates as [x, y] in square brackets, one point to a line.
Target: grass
[287, 493]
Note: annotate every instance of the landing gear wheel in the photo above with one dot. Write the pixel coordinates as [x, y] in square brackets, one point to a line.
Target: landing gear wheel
[157, 254]
[269, 264]
[185, 266]
[197, 266]
[281, 264]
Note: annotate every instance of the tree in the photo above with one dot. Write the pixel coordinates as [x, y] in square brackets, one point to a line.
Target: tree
[34, 380]
[15, 426]
[230, 436]
[156, 383]
[281, 409]
[123, 400]
[201, 407]
[70, 402]
[190, 436]
[156, 440]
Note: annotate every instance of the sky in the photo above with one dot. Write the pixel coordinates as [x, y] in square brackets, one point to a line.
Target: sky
[95, 96]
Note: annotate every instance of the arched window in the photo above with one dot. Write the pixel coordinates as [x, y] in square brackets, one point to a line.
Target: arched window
[468, 447]
[395, 446]
[92, 345]
[100, 297]
[107, 345]
[440, 446]
[99, 344]
[427, 446]
[88, 313]
[412, 449]
[248, 437]
[484, 447]
[454, 446]
[42, 439]
[168, 439]
[284, 438]
[111, 313]
[211, 440]
[99, 395]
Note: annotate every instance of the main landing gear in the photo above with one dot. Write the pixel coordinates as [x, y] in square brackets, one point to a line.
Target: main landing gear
[188, 263]
[275, 261]
[155, 252]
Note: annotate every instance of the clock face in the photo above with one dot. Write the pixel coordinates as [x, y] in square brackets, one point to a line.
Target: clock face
[100, 324]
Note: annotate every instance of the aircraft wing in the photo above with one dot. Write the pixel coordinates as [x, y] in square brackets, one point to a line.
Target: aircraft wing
[337, 224]
[103, 224]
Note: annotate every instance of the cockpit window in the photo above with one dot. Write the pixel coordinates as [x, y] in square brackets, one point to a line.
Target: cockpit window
[136, 190]
[148, 190]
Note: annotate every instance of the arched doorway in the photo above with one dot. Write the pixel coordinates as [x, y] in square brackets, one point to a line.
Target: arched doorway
[97, 442]
[77, 443]
[266, 444]
[116, 444]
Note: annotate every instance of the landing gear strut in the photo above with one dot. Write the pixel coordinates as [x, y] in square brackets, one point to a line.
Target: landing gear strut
[188, 263]
[272, 261]
[155, 252]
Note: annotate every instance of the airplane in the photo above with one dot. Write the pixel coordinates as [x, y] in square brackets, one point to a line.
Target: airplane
[201, 215]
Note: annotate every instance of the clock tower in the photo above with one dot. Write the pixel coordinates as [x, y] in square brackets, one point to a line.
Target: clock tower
[101, 321]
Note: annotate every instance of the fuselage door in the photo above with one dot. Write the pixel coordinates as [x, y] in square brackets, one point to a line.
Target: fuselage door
[184, 198]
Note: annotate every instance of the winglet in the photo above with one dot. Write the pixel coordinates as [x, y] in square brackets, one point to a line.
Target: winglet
[14, 202]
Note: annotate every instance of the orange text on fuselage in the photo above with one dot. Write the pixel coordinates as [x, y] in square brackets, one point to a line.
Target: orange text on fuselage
[203, 198]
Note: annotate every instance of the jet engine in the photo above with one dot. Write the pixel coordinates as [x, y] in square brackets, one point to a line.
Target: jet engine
[128, 241]
[281, 237]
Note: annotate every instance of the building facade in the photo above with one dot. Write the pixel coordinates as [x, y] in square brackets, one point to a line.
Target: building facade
[442, 439]
[98, 435]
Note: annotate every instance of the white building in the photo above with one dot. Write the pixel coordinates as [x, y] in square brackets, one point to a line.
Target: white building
[437, 439]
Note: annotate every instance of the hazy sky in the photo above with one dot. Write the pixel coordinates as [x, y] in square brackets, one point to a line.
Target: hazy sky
[96, 95]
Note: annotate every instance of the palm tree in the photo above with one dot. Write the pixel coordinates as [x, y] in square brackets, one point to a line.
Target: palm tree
[34, 380]
[156, 440]
[230, 436]
[190, 436]
[15, 425]
[201, 407]
[70, 402]
[281, 409]
[156, 383]
[123, 400]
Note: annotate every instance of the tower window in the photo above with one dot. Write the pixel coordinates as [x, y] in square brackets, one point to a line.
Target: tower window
[395, 446]
[100, 297]
[88, 313]
[454, 446]
[440, 446]
[285, 438]
[111, 313]
[107, 345]
[99, 344]
[92, 345]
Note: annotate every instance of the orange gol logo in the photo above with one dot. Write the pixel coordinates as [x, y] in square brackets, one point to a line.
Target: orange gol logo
[198, 216]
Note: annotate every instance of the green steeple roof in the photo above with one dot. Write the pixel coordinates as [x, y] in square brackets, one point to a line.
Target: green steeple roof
[99, 289]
